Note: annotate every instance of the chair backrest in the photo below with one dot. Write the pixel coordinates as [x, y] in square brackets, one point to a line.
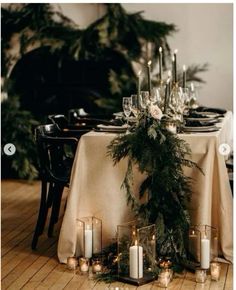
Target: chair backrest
[60, 120]
[52, 156]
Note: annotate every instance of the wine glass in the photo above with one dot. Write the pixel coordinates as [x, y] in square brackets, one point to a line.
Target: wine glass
[144, 99]
[134, 105]
[126, 104]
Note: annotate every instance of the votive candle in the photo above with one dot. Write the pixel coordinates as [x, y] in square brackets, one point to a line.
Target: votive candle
[215, 271]
[72, 263]
[84, 265]
[200, 275]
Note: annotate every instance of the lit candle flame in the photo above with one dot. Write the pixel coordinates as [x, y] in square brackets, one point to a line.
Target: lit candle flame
[184, 67]
[136, 243]
[139, 73]
[173, 58]
[160, 49]
[168, 80]
[149, 63]
[176, 50]
[169, 73]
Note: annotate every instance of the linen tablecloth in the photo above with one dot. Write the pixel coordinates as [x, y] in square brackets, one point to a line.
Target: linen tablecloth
[95, 188]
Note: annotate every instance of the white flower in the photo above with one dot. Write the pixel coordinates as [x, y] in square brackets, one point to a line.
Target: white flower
[155, 112]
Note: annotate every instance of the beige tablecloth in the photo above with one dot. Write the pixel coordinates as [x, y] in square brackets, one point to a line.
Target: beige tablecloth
[95, 188]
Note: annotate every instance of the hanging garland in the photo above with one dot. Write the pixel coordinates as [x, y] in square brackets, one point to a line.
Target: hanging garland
[161, 156]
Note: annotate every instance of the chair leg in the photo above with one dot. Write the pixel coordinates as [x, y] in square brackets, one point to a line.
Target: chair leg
[42, 215]
[57, 195]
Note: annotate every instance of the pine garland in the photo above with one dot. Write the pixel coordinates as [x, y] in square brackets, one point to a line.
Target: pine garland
[161, 155]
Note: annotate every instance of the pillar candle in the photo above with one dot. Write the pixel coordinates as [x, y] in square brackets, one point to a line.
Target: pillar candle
[136, 261]
[160, 63]
[205, 253]
[149, 77]
[184, 76]
[88, 242]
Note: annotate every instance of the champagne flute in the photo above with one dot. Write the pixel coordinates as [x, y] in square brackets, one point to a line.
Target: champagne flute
[126, 104]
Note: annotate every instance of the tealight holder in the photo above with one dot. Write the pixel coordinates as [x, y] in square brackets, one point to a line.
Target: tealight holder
[164, 278]
[136, 253]
[72, 263]
[200, 275]
[89, 237]
[84, 265]
[203, 245]
[215, 271]
[97, 266]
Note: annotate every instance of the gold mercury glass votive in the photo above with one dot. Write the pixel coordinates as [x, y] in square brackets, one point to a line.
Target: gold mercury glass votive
[200, 275]
[215, 271]
[84, 265]
[96, 266]
[72, 263]
[164, 278]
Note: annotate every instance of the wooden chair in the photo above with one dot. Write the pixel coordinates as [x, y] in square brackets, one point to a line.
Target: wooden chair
[55, 167]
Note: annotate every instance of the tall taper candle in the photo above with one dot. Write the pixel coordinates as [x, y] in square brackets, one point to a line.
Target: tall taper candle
[175, 65]
[160, 63]
[169, 76]
[166, 95]
[173, 70]
[139, 87]
[184, 76]
[149, 76]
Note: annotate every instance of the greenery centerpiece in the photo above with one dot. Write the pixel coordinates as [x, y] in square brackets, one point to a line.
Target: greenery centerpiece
[161, 156]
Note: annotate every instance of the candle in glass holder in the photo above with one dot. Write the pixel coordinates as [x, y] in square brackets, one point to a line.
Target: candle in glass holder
[215, 271]
[84, 265]
[88, 243]
[200, 275]
[136, 261]
[205, 253]
[97, 266]
[72, 263]
[164, 278]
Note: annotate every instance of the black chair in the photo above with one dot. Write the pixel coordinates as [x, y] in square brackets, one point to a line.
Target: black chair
[55, 167]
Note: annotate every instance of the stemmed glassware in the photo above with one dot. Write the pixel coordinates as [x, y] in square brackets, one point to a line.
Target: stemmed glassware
[144, 99]
[126, 104]
[134, 105]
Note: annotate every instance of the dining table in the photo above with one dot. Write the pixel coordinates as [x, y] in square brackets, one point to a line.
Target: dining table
[96, 187]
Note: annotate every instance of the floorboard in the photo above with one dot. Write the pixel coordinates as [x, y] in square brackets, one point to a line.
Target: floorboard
[22, 268]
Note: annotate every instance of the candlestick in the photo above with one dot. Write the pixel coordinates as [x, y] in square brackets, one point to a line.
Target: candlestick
[72, 263]
[88, 243]
[215, 271]
[205, 253]
[136, 261]
[184, 76]
[149, 76]
[175, 65]
[160, 63]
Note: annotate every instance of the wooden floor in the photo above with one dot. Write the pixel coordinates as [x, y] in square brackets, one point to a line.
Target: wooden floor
[23, 268]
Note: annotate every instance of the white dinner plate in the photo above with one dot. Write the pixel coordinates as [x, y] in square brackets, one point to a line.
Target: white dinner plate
[200, 129]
